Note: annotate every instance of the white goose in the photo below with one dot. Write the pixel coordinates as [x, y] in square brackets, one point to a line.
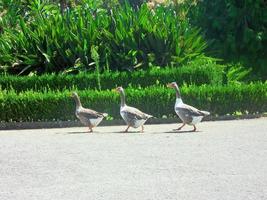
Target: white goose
[87, 116]
[188, 114]
[132, 116]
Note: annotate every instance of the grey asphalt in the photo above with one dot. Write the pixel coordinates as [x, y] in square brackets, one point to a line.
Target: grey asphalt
[224, 160]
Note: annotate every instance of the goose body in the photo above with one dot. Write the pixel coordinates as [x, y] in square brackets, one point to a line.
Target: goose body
[88, 117]
[188, 114]
[132, 116]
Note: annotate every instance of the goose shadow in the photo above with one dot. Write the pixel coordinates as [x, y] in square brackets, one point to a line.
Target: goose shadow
[178, 132]
[126, 133]
[98, 132]
[79, 132]
[75, 132]
[122, 132]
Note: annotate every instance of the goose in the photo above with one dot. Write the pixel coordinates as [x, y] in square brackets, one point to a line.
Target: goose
[188, 114]
[132, 116]
[87, 116]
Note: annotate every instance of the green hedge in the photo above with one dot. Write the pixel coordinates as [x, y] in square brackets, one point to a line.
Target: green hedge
[158, 101]
[205, 74]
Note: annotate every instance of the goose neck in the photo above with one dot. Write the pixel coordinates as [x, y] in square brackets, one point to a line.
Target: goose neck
[177, 91]
[122, 95]
[78, 102]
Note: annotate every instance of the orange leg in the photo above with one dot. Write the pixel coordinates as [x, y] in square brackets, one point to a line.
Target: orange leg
[194, 128]
[127, 129]
[142, 129]
[179, 127]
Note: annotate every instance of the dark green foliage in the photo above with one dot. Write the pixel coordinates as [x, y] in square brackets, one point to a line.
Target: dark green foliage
[160, 38]
[134, 3]
[36, 37]
[196, 73]
[238, 29]
[158, 101]
[48, 41]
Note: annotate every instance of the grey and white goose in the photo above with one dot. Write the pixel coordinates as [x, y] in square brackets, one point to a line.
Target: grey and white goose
[87, 116]
[132, 116]
[188, 114]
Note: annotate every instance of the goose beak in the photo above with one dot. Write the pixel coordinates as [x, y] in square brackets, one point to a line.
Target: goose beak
[118, 89]
[73, 94]
[115, 90]
[169, 85]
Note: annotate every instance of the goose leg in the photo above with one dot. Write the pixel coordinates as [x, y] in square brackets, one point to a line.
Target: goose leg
[126, 129]
[142, 129]
[194, 128]
[90, 130]
[179, 127]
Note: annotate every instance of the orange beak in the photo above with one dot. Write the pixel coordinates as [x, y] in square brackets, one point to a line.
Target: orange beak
[115, 90]
[169, 85]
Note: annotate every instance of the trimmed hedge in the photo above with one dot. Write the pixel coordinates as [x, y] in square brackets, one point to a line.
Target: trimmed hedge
[158, 101]
[205, 74]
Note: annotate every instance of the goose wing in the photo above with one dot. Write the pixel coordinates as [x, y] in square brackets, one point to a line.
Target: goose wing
[191, 111]
[132, 113]
[90, 114]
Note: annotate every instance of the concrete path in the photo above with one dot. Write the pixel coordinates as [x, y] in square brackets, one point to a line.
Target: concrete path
[225, 160]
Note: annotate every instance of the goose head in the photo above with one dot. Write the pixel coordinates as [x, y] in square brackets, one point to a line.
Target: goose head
[74, 94]
[172, 85]
[119, 89]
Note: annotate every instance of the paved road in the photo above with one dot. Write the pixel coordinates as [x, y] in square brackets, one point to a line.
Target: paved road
[224, 160]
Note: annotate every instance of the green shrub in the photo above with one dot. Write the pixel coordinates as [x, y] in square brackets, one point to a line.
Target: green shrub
[158, 101]
[238, 30]
[196, 73]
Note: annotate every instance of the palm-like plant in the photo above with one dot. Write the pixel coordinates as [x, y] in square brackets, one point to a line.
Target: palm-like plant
[48, 40]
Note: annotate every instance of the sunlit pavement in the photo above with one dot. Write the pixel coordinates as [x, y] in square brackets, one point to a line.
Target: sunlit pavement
[222, 160]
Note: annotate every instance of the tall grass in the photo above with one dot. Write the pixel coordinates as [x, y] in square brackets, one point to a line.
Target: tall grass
[49, 41]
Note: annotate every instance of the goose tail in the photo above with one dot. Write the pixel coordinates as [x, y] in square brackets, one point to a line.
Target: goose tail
[149, 116]
[105, 114]
[205, 113]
